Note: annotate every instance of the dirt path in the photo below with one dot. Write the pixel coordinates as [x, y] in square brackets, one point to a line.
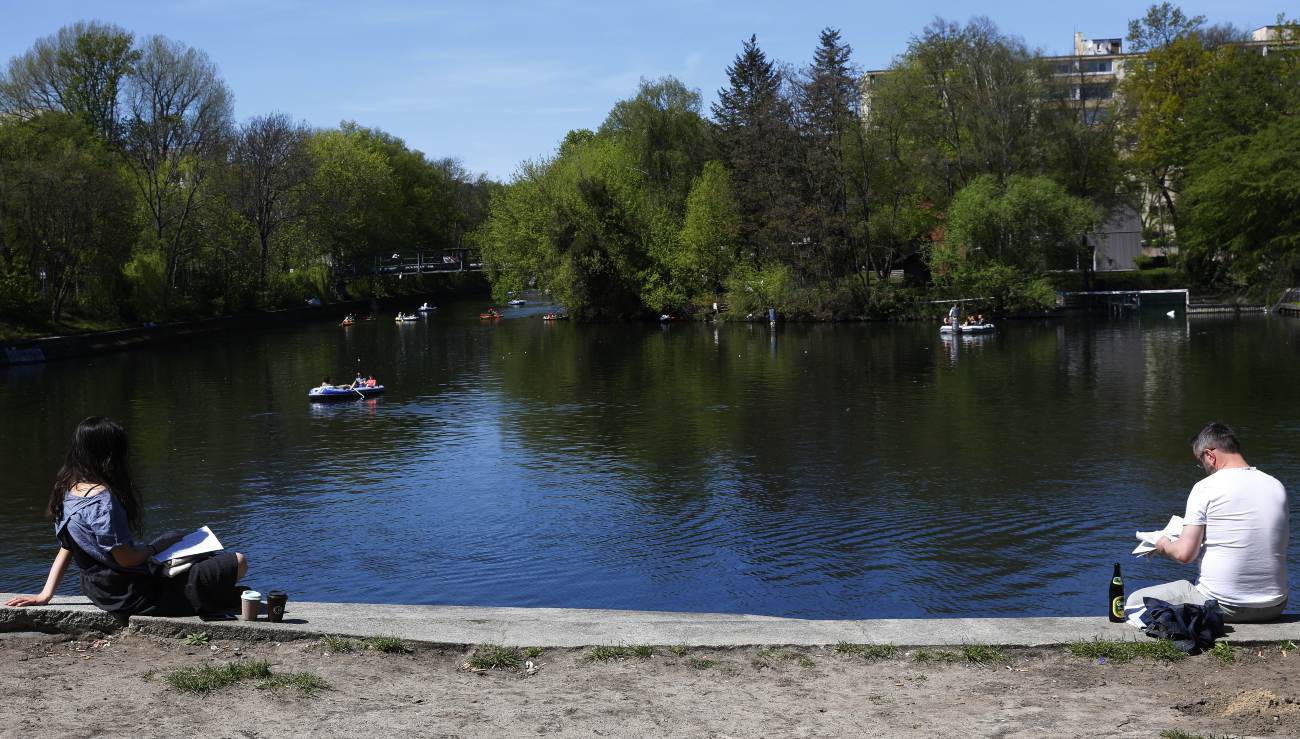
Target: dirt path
[60, 686]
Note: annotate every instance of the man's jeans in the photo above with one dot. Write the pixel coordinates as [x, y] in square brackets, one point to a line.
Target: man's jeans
[1182, 591]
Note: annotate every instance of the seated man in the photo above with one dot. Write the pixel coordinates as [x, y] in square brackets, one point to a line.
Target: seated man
[1239, 514]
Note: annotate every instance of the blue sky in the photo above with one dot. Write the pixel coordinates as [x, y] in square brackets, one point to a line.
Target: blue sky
[495, 83]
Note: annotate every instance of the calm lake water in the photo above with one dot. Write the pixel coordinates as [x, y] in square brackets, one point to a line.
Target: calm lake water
[823, 471]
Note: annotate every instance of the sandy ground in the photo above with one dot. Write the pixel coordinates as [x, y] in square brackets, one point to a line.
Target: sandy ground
[57, 685]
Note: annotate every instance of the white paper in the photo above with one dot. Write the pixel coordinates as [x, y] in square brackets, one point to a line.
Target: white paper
[1135, 619]
[1149, 538]
[200, 541]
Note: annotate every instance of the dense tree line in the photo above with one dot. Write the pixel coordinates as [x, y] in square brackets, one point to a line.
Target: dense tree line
[128, 192]
[972, 165]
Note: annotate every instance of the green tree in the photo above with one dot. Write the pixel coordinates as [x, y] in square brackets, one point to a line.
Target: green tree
[1163, 24]
[271, 167]
[662, 128]
[834, 166]
[998, 231]
[1242, 224]
[351, 188]
[79, 70]
[1156, 94]
[710, 236]
[178, 130]
[756, 132]
[65, 212]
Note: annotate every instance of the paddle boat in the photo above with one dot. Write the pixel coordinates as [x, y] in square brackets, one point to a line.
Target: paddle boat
[426, 308]
[406, 317]
[347, 321]
[343, 392]
[491, 314]
[976, 328]
[555, 317]
[516, 301]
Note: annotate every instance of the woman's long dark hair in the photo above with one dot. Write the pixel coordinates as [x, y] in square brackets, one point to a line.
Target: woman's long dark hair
[99, 455]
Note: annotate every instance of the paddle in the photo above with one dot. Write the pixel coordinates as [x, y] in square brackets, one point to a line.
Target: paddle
[354, 387]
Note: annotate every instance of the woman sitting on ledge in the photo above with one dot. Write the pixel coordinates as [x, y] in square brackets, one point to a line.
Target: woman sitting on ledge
[96, 510]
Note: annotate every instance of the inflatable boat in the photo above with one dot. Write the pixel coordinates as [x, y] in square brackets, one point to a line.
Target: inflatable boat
[979, 328]
[324, 394]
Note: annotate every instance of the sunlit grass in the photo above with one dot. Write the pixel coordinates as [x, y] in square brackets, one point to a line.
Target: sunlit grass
[495, 657]
[1125, 651]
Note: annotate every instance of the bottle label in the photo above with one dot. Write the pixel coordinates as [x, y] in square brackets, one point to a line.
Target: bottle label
[1117, 607]
[1117, 581]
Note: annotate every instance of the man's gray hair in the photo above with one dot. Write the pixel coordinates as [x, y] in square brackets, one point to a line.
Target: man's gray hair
[1218, 436]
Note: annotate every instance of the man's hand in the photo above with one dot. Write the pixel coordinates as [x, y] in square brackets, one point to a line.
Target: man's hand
[22, 601]
[166, 540]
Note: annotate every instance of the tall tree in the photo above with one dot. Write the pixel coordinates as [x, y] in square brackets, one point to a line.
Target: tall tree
[351, 185]
[756, 130]
[177, 130]
[271, 166]
[662, 126]
[1161, 26]
[65, 212]
[78, 70]
[1156, 94]
[1242, 203]
[834, 164]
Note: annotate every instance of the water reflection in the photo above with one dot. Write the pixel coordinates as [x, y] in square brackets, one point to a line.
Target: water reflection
[810, 470]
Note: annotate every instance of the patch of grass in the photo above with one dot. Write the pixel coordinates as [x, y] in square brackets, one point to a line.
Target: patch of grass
[304, 682]
[207, 678]
[934, 655]
[388, 645]
[806, 661]
[869, 651]
[495, 657]
[533, 652]
[982, 654]
[1177, 734]
[605, 654]
[338, 644]
[197, 639]
[1287, 646]
[700, 663]
[148, 675]
[1125, 651]
[678, 649]
[1223, 653]
[642, 651]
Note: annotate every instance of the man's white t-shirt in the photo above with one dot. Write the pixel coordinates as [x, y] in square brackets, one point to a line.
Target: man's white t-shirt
[1244, 512]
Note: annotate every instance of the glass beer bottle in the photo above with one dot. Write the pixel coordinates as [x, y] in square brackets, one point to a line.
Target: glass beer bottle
[1116, 596]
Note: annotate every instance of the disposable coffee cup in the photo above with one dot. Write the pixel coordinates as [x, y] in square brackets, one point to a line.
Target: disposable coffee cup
[275, 602]
[250, 603]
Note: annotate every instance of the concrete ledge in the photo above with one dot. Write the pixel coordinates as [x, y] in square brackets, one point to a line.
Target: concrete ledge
[64, 615]
[568, 627]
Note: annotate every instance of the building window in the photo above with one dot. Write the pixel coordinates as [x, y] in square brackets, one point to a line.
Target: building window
[1097, 66]
[1095, 92]
[1093, 116]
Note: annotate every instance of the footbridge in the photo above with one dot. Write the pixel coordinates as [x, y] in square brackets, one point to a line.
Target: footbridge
[422, 262]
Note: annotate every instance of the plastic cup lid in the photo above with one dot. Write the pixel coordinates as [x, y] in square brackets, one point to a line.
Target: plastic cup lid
[251, 595]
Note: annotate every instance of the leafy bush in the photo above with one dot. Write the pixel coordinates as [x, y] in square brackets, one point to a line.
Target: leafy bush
[752, 289]
[146, 276]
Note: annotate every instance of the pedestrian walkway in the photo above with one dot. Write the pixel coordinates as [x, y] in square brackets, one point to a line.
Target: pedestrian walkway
[573, 627]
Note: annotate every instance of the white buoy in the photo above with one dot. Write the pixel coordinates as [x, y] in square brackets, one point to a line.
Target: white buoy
[1170, 314]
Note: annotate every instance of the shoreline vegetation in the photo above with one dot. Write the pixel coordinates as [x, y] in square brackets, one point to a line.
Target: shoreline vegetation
[970, 168]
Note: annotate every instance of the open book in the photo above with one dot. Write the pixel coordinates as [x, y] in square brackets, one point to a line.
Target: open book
[199, 541]
[1148, 539]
